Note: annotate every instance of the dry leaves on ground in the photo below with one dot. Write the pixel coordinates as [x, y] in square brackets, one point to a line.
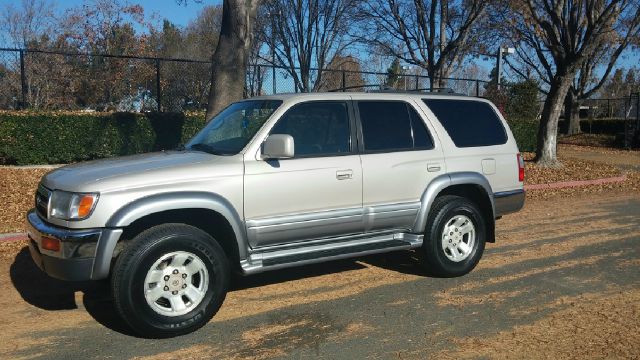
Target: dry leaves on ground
[571, 169]
[17, 189]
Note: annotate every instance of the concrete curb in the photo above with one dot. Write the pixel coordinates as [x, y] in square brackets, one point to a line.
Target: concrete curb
[28, 167]
[12, 237]
[576, 183]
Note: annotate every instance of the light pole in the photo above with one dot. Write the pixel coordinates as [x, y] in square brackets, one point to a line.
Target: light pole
[405, 68]
[506, 51]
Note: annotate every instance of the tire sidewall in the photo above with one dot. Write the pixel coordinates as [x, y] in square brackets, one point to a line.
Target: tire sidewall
[436, 251]
[140, 315]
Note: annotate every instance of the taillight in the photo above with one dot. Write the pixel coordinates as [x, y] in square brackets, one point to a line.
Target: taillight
[520, 168]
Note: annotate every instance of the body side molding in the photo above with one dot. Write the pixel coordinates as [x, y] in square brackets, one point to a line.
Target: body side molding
[442, 182]
[182, 200]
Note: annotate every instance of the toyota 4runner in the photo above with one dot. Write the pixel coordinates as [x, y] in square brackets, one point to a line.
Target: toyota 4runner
[279, 181]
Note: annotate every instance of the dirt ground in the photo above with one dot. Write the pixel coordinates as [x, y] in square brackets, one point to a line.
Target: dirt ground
[562, 281]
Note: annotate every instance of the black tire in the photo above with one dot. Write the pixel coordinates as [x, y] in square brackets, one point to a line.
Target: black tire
[131, 267]
[444, 209]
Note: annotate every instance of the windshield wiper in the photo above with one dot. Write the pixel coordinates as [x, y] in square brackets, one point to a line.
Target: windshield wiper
[206, 148]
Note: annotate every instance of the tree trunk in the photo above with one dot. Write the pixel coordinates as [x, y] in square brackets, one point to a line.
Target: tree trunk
[230, 59]
[444, 12]
[548, 131]
[572, 113]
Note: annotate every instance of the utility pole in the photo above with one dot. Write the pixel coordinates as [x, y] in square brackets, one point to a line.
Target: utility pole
[505, 51]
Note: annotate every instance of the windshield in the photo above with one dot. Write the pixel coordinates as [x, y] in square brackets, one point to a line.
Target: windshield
[229, 132]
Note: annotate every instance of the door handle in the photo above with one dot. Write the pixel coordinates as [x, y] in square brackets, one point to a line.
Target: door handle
[433, 167]
[344, 174]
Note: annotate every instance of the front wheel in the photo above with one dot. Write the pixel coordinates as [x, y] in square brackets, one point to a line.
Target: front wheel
[454, 236]
[170, 280]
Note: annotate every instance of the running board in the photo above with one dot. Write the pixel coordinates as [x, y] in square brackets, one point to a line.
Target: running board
[314, 252]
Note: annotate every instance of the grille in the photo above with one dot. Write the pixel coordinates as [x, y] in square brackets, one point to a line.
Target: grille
[42, 201]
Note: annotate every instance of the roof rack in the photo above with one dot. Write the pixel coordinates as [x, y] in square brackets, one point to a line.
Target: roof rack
[442, 91]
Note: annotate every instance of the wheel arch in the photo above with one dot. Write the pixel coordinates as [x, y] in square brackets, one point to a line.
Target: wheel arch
[471, 185]
[207, 211]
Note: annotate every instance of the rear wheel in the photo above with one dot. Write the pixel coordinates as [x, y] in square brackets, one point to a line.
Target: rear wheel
[454, 236]
[170, 280]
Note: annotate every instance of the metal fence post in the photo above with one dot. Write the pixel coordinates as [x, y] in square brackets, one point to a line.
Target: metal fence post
[158, 86]
[344, 81]
[273, 78]
[258, 80]
[477, 88]
[23, 81]
[417, 83]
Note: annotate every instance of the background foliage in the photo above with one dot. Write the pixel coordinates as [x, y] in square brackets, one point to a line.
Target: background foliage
[56, 138]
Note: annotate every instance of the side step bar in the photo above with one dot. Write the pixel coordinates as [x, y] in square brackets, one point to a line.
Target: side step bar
[313, 252]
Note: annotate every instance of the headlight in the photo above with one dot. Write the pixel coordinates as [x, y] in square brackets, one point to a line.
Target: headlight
[72, 206]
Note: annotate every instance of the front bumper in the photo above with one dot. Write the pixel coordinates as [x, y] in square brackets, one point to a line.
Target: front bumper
[83, 255]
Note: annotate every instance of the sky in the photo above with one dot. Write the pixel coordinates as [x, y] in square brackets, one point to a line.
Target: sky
[169, 9]
[182, 14]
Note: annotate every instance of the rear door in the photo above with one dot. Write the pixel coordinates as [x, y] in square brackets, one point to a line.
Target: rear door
[476, 139]
[399, 159]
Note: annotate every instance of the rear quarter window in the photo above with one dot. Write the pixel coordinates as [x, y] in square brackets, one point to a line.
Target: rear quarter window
[469, 123]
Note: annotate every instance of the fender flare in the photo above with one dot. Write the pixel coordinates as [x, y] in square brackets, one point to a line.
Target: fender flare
[152, 204]
[444, 181]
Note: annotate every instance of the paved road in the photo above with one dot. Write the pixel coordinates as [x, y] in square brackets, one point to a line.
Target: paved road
[562, 281]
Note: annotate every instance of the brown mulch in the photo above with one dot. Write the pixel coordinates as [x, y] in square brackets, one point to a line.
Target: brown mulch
[571, 169]
[17, 189]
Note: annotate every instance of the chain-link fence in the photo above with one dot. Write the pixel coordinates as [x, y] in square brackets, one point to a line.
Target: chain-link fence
[632, 121]
[59, 80]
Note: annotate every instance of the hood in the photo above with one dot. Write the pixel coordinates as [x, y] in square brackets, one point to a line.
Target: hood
[87, 175]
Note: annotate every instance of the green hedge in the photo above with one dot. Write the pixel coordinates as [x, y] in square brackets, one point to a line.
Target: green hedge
[54, 138]
[597, 126]
[525, 132]
[32, 138]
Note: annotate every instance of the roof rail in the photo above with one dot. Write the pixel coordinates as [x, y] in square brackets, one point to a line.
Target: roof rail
[443, 91]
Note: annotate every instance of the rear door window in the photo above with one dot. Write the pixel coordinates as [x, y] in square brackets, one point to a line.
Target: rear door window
[392, 126]
[469, 123]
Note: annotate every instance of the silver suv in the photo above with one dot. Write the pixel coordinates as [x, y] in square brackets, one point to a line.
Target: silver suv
[280, 181]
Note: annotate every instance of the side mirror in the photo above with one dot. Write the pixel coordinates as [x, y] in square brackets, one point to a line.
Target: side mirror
[278, 146]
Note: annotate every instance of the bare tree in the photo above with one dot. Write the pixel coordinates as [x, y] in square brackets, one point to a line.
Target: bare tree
[435, 35]
[231, 56]
[27, 22]
[589, 81]
[308, 34]
[555, 38]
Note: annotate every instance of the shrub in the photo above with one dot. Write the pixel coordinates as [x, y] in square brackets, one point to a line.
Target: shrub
[525, 132]
[37, 138]
[523, 101]
[518, 103]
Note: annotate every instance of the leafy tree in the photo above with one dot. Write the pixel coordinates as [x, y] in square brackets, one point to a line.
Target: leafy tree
[523, 102]
[394, 73]
[332, 79]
